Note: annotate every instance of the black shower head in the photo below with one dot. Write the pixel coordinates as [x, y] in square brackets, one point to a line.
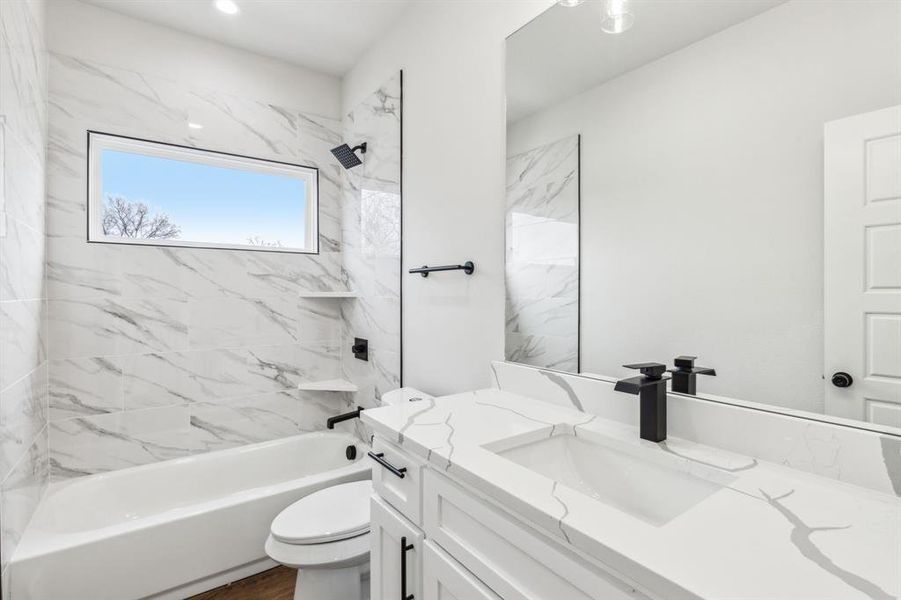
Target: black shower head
[347, 156]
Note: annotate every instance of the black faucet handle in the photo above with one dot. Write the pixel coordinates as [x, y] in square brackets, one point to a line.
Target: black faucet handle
[686, 364]
[651, 370]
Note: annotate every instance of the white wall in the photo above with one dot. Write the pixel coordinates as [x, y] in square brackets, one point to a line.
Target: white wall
[99, 35]
[702, 185]
[452, 54]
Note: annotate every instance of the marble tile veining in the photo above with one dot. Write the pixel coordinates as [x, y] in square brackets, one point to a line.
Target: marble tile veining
[542, 256]
[109, 326]
[23, 416]
[165, 352]
[371, 210]
[23, 340]
[23, 337]
[106, 442]
[20, 493]
[85, 386]
[158, 353]
[21, 262]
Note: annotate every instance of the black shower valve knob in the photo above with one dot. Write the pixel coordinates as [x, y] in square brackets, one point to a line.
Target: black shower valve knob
[360, 349]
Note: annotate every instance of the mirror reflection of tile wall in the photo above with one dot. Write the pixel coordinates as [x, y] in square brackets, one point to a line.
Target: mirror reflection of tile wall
[542, 256]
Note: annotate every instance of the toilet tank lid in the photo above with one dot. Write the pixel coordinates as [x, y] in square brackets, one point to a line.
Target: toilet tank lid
[334, 513]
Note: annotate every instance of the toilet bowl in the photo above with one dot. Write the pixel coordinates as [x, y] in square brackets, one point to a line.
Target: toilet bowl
[325, 536]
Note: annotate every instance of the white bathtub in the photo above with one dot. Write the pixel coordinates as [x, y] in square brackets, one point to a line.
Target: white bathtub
[173, 528]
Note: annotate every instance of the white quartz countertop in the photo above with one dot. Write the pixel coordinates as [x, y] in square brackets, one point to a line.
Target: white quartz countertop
[769, 532]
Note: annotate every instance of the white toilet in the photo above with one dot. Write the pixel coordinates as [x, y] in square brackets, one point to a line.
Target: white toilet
[326, 537]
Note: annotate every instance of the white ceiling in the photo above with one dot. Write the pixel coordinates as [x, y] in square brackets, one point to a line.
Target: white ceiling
[328, 36]
[564, 52]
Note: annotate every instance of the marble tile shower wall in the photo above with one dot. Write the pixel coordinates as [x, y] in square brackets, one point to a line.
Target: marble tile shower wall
[371, 219]
[24, 471]
[157, 353]
[542, 256]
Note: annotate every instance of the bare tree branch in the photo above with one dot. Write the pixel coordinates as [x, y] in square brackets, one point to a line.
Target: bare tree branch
[124, 218]
[258, 241]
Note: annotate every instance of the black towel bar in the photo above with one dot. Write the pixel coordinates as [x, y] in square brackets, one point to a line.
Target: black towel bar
[468, 267]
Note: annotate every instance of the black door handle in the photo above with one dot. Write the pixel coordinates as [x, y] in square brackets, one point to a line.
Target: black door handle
[404, 547]
[380, 458]
[842, 379]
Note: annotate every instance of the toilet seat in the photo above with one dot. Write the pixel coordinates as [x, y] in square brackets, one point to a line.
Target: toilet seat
[333, 514]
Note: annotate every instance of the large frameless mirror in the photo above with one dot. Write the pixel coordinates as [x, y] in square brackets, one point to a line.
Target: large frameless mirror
[711, 179]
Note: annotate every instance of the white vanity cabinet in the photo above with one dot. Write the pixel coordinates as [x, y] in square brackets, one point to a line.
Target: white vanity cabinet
[460, 546]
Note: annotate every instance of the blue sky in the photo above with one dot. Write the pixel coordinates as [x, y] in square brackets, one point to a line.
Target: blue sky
[210, 204]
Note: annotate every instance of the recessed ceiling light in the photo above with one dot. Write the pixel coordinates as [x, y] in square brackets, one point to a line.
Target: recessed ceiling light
[570, 3]
[193, 125]
[618, 16]
[226, 6]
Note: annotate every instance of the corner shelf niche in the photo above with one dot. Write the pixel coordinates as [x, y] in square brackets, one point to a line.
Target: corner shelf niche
[329, 385]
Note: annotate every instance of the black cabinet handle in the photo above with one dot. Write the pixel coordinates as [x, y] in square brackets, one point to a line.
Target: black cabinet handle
[404, 546]
[380, 458]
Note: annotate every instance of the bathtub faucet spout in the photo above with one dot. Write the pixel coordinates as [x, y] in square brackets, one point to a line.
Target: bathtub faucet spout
[354, 414]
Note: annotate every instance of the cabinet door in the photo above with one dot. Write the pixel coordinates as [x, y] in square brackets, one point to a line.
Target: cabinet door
[396, 551]
[443, 578]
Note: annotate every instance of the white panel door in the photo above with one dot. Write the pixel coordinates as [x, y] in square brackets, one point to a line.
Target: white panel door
[863, 266]
[443, 578]
[395, 555]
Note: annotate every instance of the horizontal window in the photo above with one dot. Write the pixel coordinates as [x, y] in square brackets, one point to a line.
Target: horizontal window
[150, 193]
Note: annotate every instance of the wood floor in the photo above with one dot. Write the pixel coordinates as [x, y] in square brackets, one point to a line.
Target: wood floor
[274, 584]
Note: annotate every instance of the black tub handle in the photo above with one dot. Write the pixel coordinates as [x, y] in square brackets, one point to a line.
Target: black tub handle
[380, 458]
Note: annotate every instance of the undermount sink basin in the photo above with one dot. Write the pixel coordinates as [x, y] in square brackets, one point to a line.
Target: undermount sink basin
[654, 489]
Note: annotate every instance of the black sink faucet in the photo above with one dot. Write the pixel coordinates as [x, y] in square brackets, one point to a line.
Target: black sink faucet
[685, 375]
[650, 387]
